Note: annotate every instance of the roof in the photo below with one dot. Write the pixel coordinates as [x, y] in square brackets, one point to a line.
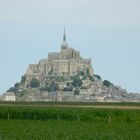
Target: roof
[54, 53]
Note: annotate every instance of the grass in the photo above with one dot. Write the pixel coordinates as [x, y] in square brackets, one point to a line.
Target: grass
[67, 130]
[54, 123]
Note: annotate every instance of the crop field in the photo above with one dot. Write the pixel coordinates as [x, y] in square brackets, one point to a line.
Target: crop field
[47, 122]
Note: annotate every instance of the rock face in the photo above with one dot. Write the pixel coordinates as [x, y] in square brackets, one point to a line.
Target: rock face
[67, 62]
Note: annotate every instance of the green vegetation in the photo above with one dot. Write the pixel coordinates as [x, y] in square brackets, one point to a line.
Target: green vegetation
[68, 114]
[91, 78]
[23, 79]
[52, 82]
[76, 91]
[107, 83]
[88, 75]
[12, 89]
[82, 73]
[87, 71]
[34, 83]
[52, 86]
[69, 130]
[77, 82]
[98, 76]
[16, 85]
[68, 88]
[54, 123]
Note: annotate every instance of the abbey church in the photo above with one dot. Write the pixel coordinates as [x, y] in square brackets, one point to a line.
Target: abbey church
[67, 62]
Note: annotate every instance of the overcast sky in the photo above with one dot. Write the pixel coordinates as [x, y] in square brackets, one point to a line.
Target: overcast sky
[108, 31]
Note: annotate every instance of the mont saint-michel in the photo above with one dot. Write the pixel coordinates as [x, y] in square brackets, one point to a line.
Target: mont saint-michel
[65, 76]
[67, 62]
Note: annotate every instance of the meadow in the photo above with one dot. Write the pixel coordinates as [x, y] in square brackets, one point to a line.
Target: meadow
[31, 121]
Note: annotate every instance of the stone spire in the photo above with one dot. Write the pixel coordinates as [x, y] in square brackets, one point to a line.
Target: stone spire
[64, 36]
[64, 44]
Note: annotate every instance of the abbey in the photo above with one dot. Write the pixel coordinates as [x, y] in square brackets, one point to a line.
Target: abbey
[65, 76]
[67, 62]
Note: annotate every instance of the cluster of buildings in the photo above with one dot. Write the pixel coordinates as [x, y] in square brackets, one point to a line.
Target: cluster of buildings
[66, 63]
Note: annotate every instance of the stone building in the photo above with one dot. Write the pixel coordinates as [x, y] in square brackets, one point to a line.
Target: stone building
[67, 62]
[9, 96]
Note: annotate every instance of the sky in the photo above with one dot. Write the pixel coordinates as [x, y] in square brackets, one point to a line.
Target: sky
[107, 31]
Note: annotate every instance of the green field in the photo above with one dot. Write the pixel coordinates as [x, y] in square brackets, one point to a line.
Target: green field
[40, 122]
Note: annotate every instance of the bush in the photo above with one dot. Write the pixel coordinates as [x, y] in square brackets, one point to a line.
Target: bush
[77, 81]
[84, 77]
[23, 78]
[88, 73]
[34, 83]
[91, 78]
[82, 73]
[98, 76]
[16, 85]
[76, 91]
[12, 89]
[53, 87]
[107, 83]
[70, 88]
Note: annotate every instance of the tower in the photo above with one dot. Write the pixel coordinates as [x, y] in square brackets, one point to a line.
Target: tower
[64, 36]
[64, 44]
[64, 47]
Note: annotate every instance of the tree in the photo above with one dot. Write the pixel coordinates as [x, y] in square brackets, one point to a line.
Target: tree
[77, 81]
[61, 78]
[46, 87]
[34, 83]
[82, 73]
[16, 85]
[91, 78]
[88, 73]
[53, 87]
[23, 78]
[98, 76]
[12, 89]
[68, 84]
[76, 91]
[107, 83]
[70, 88]
[84, 77]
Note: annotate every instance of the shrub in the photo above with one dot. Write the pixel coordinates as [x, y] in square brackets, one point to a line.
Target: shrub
[77, 81]
[12, 89]
[76, 91]
[98, 76]
[107, 83]
[34, 83]
[23, 78]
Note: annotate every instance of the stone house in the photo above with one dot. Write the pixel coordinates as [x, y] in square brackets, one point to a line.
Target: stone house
[9, 96]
